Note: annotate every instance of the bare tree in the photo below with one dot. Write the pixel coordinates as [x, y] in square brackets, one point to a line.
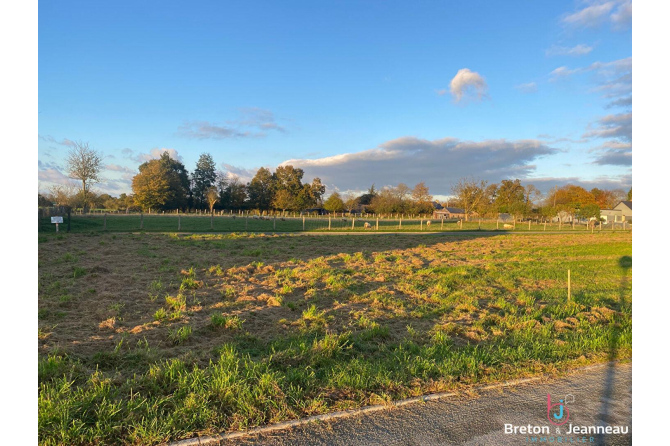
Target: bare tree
[63, 194]
[84, 164]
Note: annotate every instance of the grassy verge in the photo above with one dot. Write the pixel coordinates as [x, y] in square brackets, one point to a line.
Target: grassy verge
[148, 338]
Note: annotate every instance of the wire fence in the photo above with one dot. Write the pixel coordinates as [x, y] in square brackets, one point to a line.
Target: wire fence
[113, 222]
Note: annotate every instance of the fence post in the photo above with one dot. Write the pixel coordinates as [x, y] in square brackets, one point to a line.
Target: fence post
[441, 224]
[303, 222]
[377, 224]
[497, 224]
[329, 222]
[352, 223]
[104, 228]
[400, 224]
[480, 225]
[545, 225]
[422, 224]
[612, 225]
[178, 221]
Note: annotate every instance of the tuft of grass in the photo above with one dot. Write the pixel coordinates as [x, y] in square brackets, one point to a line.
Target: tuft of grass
[78, 272]
[229, 322]
[180, 335]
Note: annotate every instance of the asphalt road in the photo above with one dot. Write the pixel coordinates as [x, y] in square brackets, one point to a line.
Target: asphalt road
[602, 396]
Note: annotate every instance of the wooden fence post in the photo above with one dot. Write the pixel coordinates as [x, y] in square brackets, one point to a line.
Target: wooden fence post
[303, 222]
[377, 228]
[441, 224]
[529, 225]
[545, 225]
[422, 224]
[178, 221]
[400, 224]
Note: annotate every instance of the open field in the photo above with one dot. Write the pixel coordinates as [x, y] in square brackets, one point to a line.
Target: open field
[149, 337]
[203, 223]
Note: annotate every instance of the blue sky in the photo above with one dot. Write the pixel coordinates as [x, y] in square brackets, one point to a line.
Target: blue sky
[353, 92]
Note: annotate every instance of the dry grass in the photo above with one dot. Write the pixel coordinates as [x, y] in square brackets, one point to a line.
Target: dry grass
[120, 303]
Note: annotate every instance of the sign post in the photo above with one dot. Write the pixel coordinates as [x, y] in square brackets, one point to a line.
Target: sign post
[57, 221]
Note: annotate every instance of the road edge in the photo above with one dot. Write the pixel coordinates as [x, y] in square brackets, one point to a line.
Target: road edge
[216, 439]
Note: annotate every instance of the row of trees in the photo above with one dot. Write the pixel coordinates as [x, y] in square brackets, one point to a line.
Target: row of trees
[510, 196]
[166, 184]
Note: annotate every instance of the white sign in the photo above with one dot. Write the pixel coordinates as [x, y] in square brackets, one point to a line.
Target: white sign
[56, 219]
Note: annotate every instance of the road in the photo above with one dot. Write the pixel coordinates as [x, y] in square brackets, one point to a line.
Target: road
[602, 395]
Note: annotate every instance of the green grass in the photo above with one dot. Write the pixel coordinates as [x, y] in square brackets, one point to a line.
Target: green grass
[192, 223]
[310, 325]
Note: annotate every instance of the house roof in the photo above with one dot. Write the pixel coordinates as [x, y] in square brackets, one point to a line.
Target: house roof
[452, 210]
[629, 204]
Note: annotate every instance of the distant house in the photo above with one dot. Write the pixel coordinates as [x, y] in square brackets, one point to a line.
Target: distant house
[437, 205]
[620, 213]
[448, 213]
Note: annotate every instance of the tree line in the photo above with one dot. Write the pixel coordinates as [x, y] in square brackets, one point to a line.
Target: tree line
[164, 184]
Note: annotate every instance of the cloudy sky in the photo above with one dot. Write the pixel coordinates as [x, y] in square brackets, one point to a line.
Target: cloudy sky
[355, 93]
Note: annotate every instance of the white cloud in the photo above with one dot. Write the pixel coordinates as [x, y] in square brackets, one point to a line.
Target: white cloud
[52, 175]
[618, 13]
[439, 163]
[466, 82]
[618, 126]
[530, 87]
[578, 50]
[153, 154]
[562, 73]
[253, 122]
[117, 168]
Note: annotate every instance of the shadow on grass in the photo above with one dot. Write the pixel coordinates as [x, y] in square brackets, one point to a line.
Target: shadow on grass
[605, 414]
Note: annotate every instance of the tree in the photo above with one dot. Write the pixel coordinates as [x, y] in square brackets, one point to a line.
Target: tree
[84, 164]
[283, 200]
[569, 198]
[317, 189]
[212, 197]
[234, 194]
[334, 203]
[629, 196]
[422, 200]
[470, 194]
[157, 186]
[350, 202]
[63, 194]
[288, 178]
[261, 189]
[204, 177]
[511, 198]
[367, 197]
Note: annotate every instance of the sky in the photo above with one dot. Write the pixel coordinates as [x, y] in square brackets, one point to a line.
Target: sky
[356, 93]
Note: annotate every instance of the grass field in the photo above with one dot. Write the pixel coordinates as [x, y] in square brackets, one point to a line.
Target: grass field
[145, 338]
[191, 223]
